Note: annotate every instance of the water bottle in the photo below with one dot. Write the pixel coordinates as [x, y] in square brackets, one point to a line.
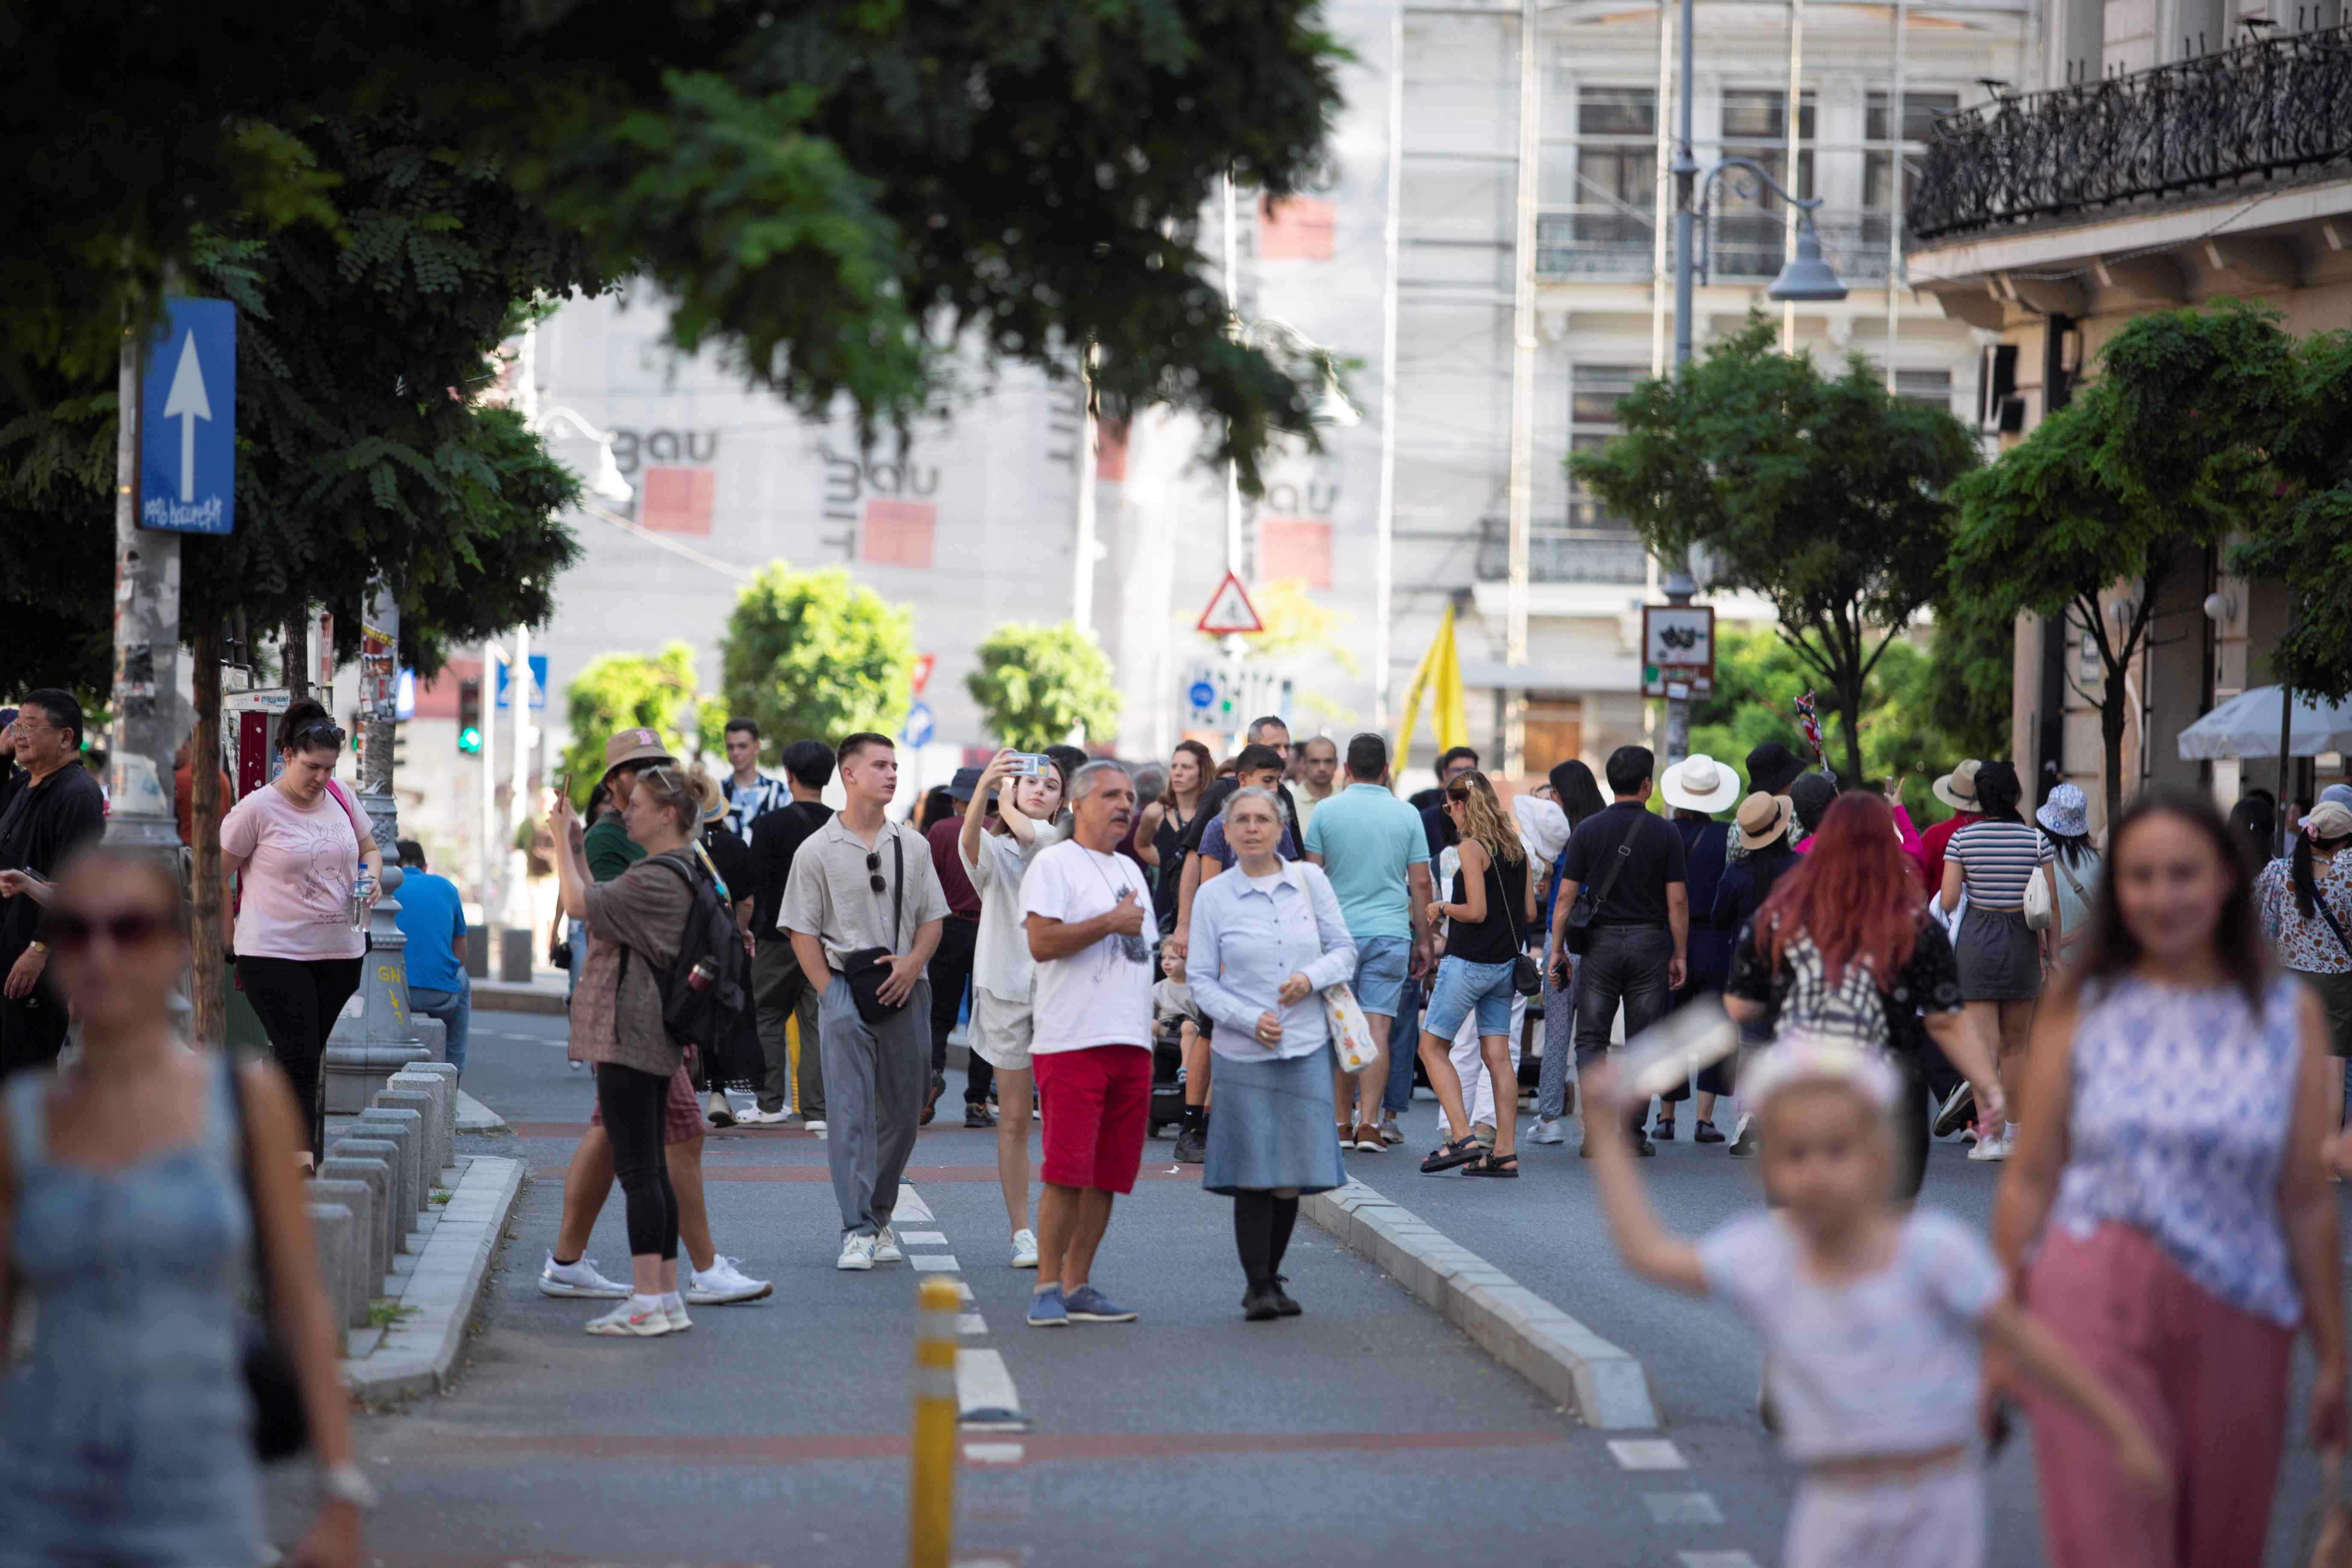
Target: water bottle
[359, 890]
[702, 976]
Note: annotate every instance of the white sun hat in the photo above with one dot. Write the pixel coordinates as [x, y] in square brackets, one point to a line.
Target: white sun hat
[1699, 783]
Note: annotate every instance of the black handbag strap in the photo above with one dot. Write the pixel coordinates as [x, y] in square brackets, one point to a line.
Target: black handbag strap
[2319, 902]
[898, 890]
[1624, 852]
[234, 1088]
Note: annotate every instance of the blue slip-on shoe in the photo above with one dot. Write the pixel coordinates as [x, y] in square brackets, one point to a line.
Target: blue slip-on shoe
[1047, 1309]
[1088, 1305]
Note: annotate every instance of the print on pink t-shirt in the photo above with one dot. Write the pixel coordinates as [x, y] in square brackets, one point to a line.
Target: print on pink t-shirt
[296, 890]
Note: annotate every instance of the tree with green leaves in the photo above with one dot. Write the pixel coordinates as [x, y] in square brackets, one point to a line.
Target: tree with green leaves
[2111, 498]
[846, 197]
[816, 654]
[1968, 677]
[1826, 495]
[617, 691]
[1039, 685]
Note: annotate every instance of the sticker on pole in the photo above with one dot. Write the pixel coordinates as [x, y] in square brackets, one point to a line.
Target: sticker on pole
[1230, 610]
[187, 420]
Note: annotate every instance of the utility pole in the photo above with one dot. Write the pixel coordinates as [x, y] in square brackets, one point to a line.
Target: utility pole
[142, 739]
[1082, 587]
[1523, 383]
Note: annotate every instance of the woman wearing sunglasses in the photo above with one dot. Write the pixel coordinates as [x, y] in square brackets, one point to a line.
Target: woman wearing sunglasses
[142, 1188]
[300, 846]
[1490, 911]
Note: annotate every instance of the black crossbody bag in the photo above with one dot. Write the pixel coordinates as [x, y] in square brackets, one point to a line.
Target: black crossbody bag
[869, 967]
[1589, 900]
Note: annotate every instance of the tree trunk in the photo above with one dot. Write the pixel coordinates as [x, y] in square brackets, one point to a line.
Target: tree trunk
[1849, 701]
[296, 656]
[2115, 701]
[210, 986]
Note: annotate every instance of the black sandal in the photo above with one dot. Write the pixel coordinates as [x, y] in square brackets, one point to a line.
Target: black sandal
[1507, 1166]
[1445, 1156]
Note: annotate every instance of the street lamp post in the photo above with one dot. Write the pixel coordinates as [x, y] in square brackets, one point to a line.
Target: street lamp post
[1804, 277]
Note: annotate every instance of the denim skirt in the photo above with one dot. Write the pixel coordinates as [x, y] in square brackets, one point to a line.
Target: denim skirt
[1270, 1125]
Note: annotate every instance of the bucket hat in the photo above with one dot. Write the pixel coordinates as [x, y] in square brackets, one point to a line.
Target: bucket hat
[2065, 812]
[1772, 768]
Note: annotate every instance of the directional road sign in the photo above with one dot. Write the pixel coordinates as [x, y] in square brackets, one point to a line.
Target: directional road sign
[919, 725]
[1202, 695]
[1230, 610]
[187, 420]
[538, 682]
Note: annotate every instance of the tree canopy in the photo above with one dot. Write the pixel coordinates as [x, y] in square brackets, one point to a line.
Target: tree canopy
[1825, 495]
[1037, 684]
[816, 654]
[625, 692]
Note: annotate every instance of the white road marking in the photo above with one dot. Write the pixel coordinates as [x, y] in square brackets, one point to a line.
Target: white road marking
[1647, 1454]
[992, 1452]
[970, 1323]
[933, 1262]
[1715, 1559]
[912, 1210]
[984, 1393]
[1681, 1508]
[922, 1238]
[963, 1291]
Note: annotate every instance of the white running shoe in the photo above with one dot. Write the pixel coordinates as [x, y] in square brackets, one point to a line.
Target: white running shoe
[1548, 1130]
[578, 1278]
[816, 1127]
[1992, 1147]
[630, 1321]
[1024, 1249]
[722, 1283]
[856, 1252]
[885, 1247]
[675, 1311]
[755, 1117]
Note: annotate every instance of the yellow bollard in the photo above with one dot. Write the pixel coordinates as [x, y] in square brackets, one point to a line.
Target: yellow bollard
[931, 1492]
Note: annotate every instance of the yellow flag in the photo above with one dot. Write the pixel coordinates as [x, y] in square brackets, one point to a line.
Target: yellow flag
[1440, 674]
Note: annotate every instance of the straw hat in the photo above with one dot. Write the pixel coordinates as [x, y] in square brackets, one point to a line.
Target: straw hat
[1958, 789]
[1698, 782]
[1764, 817]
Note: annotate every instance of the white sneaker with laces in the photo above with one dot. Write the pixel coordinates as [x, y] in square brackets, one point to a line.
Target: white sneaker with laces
[885, 1247]
[1548, 1130]
[638, 1318]
[675, 1311]
[856, 1252]
[578, 1278]
[1991, 1149]
[722, 1283]
[1024, 1249]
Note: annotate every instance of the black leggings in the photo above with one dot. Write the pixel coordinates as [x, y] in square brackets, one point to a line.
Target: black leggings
[1262, 1224]
[297, 1000]
[631, 1103]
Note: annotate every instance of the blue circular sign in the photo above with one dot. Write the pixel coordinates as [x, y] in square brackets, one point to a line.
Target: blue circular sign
[1202, 694]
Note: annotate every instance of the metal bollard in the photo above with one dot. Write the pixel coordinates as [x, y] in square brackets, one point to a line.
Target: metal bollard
[931, 1492]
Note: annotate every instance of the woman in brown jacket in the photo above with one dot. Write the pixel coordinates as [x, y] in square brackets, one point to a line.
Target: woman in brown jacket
[633, 924]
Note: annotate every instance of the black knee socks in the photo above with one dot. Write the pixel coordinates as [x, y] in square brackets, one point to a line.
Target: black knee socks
[1285, 1214]
[1262, 1227]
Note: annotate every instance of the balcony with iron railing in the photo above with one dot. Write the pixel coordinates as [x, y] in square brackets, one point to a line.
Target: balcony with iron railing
[1614, 244]
[1578, 552]
[2234, 119]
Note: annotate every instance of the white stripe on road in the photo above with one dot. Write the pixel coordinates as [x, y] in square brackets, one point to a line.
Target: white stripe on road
[1715, 1559]
[992, 1452]
[1647, 1454]
[970, 1323]
[923, 1237]
[1681, 1508]
[934, 1262]
[984, 1393]
[912, 1209]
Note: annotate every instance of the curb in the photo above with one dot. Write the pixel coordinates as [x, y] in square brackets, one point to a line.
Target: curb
[497, 996]
[1606, 1387]
[473, 1116]
[417, 1353]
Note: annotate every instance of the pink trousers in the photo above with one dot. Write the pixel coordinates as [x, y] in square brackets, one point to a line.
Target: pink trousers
[2208, 1381]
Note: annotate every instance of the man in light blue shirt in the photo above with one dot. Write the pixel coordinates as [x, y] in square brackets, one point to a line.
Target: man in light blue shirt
[433, 919]
[1371, 847]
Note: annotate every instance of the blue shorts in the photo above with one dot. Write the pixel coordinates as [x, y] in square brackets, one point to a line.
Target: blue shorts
[1463, 986]
[1380, 962]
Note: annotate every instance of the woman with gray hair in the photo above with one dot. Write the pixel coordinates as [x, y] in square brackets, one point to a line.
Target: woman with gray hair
[1265, 939]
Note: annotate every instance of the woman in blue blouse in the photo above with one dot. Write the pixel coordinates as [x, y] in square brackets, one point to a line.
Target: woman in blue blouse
[1265, 939]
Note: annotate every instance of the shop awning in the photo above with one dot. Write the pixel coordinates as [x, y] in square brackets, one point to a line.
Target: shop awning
[2247, 725]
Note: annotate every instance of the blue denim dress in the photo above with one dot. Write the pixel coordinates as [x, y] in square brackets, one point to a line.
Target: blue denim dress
[124, 1437]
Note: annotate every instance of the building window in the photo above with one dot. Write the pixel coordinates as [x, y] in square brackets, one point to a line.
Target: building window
[1919, 112]
[1612, 224]
[1932, 386]
[1594, 392]
[1749, 235]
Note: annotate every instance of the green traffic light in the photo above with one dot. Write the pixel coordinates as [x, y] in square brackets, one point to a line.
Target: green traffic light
[469, 739]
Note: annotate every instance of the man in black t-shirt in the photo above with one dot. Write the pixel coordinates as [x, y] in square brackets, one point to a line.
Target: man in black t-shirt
[779, 990]
[1638, 941]
[54, 810]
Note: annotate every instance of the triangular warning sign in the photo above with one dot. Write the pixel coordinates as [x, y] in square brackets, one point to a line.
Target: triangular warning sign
[1230, 610]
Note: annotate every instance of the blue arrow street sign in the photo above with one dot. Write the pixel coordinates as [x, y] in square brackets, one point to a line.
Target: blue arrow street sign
[538, 683]
[187, 420]
[919, 725]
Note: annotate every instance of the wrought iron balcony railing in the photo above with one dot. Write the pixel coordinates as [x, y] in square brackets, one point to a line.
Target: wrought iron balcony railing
[2234, 117]
[1555, 554]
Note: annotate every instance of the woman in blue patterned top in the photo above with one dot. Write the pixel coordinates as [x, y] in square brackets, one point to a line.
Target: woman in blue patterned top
[2167, 1204]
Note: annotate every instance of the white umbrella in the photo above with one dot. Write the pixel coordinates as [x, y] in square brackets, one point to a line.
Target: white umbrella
[2247, 725]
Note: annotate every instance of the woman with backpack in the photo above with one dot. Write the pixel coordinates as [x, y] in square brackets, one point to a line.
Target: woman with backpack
[2065, 822]
[2305, 898]
[293, 854]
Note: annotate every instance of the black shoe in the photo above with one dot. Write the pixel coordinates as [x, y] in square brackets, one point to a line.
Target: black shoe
[1191, 1146]
[1262, 1304]
[978, 1116]
[1663, 1132]
[1959, 1109]
[1282, 1301]
[1744, 1144]
[931, 1099]
[1643, 1147]
[1705, 1133]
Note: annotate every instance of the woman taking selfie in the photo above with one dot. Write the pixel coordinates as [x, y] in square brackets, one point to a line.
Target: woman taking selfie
[142, 1189]
[301, 906]
[2170, 1195]
[1490, 911]
[1266, 939]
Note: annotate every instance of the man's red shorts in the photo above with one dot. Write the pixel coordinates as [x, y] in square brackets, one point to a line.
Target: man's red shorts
[681, 1112]
[1094, 1102]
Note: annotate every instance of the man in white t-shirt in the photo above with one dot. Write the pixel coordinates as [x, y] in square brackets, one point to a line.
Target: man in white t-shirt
[1085, 908]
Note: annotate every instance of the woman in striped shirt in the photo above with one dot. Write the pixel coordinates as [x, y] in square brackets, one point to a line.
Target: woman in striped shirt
[2002, 961]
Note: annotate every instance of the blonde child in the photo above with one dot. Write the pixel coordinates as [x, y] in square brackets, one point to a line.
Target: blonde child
[1872, 1319]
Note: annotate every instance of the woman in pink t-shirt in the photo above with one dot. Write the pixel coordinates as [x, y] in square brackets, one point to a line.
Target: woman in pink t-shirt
[301, 844]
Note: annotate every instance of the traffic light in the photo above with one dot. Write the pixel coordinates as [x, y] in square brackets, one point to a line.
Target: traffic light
[469, 716]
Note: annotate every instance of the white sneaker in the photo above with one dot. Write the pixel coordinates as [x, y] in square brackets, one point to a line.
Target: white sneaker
[856, 1252]
[1991, 1148]
[1548, 1130]
[1024, 1249]
[816, 1127]
[675, 1311]
[578, 1278]
[723, 1283]
[885, 1247]
[755, 1117]
[629, 1321]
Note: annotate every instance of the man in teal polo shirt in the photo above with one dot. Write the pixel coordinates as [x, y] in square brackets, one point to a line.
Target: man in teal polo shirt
[1370, 844]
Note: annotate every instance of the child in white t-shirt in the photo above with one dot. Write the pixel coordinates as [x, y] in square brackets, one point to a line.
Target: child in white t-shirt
[1872, 1317]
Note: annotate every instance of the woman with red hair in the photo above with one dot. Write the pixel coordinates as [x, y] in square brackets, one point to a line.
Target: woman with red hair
[1844, 946]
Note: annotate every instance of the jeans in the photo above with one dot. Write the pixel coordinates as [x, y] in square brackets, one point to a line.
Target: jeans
[1621, 964]
[455, 1011]
[1404, 1044]
[575, 936]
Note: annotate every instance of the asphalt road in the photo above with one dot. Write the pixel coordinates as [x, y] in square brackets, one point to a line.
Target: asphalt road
[1369, 1429]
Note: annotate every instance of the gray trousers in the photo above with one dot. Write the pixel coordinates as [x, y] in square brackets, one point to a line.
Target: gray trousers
[777, 994]
[875, 1075]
